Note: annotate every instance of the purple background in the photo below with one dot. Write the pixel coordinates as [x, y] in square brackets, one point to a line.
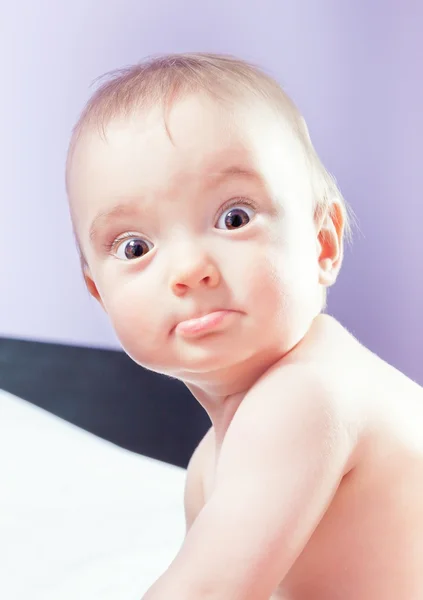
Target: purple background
[353, 68]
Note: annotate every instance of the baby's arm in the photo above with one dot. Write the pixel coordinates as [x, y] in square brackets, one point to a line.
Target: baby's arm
[194, 491]
[282, 460]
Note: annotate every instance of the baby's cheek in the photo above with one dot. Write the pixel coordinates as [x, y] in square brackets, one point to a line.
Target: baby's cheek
[264, 286]
[132, 316]
[284, 282]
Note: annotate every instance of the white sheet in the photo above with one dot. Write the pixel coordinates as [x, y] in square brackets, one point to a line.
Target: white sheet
[80, 518]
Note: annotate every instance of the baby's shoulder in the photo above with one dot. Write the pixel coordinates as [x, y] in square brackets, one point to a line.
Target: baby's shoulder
[378, 401]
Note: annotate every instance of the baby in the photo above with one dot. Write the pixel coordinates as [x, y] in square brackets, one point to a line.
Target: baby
[209, 231]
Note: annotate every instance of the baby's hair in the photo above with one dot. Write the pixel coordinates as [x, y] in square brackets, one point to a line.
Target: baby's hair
[159, 80]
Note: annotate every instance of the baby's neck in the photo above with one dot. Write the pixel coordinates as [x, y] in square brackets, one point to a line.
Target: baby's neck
[222, 402]
[223, 393]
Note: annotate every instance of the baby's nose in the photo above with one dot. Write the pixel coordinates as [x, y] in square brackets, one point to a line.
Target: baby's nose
[199, 272]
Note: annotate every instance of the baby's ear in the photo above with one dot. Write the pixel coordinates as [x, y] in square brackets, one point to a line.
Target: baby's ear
[330, 244]
[91, 286]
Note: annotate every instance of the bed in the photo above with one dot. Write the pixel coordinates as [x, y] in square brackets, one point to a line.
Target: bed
[80, 517]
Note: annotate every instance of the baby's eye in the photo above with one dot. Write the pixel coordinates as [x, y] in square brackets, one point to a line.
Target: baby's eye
[131, 247]
[236, 216]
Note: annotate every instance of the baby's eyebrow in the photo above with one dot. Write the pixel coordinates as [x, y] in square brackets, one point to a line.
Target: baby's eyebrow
[133, 206]
[216, 177]
[123, 209]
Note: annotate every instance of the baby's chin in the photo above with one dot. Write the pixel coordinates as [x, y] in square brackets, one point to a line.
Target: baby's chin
[204, 360]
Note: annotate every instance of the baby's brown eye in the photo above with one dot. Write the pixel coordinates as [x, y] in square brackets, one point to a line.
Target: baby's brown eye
[134, 248]
[234, 218]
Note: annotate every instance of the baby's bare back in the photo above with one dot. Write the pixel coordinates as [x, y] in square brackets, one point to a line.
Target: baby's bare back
[369, 544]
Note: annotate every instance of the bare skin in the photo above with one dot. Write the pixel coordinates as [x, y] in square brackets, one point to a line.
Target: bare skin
[369, 544]
[338, 507]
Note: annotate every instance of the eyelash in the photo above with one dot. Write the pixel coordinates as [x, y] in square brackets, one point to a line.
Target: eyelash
[230, 204]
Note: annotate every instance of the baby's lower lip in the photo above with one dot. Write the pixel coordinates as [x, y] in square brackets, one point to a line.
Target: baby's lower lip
[194, 326]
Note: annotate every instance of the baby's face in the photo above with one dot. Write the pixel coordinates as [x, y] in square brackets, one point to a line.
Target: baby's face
[178, 250]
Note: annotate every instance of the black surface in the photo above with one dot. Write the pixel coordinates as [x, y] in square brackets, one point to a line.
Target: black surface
[106, 393]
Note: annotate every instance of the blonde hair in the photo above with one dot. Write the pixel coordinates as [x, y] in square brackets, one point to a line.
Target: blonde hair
[161, 79]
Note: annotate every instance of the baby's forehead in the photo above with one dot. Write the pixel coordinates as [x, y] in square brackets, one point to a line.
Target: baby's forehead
[198, 116]
[194, 128]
